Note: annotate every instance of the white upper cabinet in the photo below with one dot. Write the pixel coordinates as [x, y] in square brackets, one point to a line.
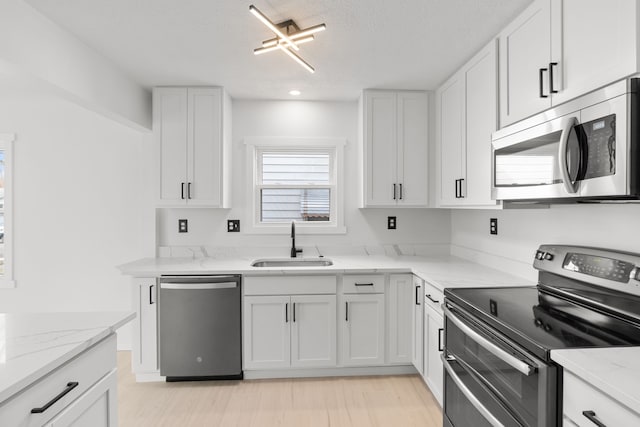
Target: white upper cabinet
[466, 115]
[557, 50]
[395, 148]
[192, 131]
[525, 55]
[450, 130]
[597, 42]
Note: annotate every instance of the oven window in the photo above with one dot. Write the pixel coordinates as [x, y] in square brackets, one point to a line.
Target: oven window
[519, 391]
[459, 409]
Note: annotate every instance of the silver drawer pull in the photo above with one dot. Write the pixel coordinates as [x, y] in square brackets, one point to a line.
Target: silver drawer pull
[194, 286]
[509, 359]
[363, 284]
[469, 395]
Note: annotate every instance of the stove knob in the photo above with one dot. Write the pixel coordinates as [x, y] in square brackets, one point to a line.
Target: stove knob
[548, 256]
[547, 328]
[539, 255]
[538, 322]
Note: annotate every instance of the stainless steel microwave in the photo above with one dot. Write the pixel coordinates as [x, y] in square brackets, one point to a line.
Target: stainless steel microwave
[584, 150]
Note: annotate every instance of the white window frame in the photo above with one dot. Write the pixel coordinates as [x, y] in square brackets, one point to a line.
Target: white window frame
[335, 146]
[6, 144]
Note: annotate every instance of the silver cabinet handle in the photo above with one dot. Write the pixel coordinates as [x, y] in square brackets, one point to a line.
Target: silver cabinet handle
[519, 365]
[469, 395]
[195, 286]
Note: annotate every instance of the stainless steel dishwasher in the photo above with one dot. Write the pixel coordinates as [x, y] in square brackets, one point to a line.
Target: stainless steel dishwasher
[199, 327]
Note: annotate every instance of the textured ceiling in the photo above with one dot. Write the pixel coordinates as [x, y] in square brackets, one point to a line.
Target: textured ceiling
[399, 44]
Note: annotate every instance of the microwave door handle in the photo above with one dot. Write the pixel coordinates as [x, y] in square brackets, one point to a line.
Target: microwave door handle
[569, 185]
[514, 362]
[469, 395]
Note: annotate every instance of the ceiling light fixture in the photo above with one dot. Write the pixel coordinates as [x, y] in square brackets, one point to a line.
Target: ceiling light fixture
[294, 92]
[285, 42]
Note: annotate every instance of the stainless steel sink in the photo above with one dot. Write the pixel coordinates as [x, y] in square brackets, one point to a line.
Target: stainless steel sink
[292, 262]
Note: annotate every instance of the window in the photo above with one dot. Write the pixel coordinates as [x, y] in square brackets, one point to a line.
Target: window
[296, 180]
[6, 205]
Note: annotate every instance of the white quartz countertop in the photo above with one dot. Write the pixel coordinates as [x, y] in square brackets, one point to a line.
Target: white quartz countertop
[442, 271]
[614, 371]
[34, 344]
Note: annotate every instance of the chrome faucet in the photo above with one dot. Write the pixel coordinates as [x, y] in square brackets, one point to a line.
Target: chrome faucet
[294, 250]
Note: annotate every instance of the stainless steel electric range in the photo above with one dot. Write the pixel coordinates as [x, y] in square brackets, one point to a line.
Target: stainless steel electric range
[498, 370]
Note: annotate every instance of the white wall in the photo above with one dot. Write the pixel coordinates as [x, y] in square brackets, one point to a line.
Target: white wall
[78, 206]
[301, 119]
[521, 231]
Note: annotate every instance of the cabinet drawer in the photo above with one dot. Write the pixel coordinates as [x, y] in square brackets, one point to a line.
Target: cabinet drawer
[363, 284]
[433, 297]
[86, 369]
[289, 285]
[580, 396]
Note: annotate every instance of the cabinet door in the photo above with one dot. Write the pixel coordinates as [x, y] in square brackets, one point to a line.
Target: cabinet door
[145, 340]
[266, 332]
[380, 147]
[362, 319]
[170, 129]
[400, 300]
[434, 332]
[417, 325]
[480, 117]
[525, 49]
[597, 43]
[205, 147]
[451, 125]
[313, 331]
[413, 149]
[97, 407]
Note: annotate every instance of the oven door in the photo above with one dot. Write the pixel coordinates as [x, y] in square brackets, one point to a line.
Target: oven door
[468, 402]
[524, 384]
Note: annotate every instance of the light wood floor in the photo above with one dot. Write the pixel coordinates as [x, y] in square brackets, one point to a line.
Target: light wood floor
[396, 401]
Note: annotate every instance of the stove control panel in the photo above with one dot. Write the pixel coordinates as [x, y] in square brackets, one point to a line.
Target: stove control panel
[598, 266]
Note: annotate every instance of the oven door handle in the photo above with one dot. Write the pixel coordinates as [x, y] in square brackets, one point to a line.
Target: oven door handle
[569, 185]
[469, 394]
[514, 362]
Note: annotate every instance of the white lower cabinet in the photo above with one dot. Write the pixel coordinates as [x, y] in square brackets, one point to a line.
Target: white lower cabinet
[400, 297]
[586, 406]
[313, 330]
[362, 329]
[144, 359]
[289, 331]
[80, 393]
[433, 340]
[417, 325]
[95, 408]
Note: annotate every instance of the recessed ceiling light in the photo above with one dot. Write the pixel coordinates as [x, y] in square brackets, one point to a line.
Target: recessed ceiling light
[294, 92]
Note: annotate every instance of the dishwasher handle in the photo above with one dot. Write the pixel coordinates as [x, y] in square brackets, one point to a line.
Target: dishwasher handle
[197, 286]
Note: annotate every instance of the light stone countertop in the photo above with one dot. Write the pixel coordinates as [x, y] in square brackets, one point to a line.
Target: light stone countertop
[614, 371]
[442, 271]
[34, 344]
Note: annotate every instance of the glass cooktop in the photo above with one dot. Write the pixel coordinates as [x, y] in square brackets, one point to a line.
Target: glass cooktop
[544, 318]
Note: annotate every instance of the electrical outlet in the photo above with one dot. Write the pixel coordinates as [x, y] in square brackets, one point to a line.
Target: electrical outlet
[182, 226]
[391, 223]
[233, 225]
[493, 225]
